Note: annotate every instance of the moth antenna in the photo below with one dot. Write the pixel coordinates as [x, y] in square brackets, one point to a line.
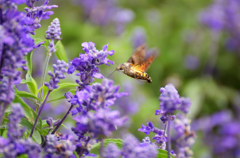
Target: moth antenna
[116, 63]
[111, 73]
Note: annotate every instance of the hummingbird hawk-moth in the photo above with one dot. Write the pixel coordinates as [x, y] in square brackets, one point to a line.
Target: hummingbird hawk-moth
[138, 63]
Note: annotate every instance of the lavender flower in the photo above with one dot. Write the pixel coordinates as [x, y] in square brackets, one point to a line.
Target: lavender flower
[170, 101]
[54, 30]
[53, 33]
[223, 15]
[106, 12]
[112, 151]
[138, 37]
[38, 13]
[220, 133]
[63, 147]
[98, 124]
[86, 64]
[185, 138]
[59, 69]
[15, 40]
[14, 132]
[133, 148]
[6, 92]
[14, 146]
[96, 96]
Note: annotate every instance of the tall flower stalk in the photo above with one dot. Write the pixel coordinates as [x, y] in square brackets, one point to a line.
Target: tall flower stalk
[170, 102]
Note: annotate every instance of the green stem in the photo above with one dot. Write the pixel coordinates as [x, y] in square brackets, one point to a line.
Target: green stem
[44, 72]
[39, 112]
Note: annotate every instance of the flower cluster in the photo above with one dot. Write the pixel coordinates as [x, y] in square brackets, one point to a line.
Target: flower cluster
[14, 146]
[99, 123]
[59, 69]
[38, 13]
[221, 133]
[131, 148]
[223, 15]
[96, 96]
[86, 64]
[170, 101]
[105, 12]
[53, 33]
[63, 147]
[184, 138]
[15, 40]
[160, 137]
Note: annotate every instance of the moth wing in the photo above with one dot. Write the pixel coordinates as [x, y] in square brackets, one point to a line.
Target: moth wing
[138, 55]
[144, 65]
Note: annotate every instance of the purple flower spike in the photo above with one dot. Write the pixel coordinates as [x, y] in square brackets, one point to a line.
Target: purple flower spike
[97, 96]
[14, 119]
[133, 148]
[98, 124]
[169, 99]
[112, 151]
[59, 69]
[54, 30]
[38, 13]
[62, 147]
[86, 64]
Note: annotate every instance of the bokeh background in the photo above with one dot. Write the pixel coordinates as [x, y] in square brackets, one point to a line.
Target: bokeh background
[199, 43]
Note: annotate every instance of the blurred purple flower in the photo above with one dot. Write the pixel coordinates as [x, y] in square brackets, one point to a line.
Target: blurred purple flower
[184, 138]
[13, 146]
[133, 148]
[106, 12]
[63, 147]
[191, 62]
[221, 133]
[138, 37]
[14, 132]
[98, 124]
[112, 151]
[223, 15]
[59, 69]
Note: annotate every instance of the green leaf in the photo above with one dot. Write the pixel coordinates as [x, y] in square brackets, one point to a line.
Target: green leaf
[30, 114]
[25, 94]
[29, 126]
[75, 153]
[163, 154]
[96, 147]
[31, 83]
[23, 156]
[29, 62]
[64, 85]
[60, 51]
[62, 97]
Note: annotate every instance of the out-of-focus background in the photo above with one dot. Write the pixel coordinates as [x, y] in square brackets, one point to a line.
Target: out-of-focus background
[199, 43]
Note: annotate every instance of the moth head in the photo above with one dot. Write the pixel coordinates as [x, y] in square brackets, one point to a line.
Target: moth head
[120, 67]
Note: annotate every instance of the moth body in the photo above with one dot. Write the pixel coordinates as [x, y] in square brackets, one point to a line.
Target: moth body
[138, 63]
[127, 69]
